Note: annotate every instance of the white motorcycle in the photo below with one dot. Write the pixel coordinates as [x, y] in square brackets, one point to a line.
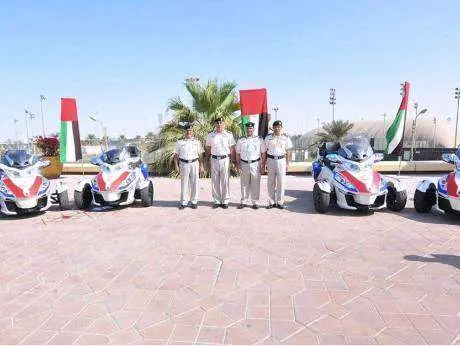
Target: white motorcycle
[446, 194]
[343, 172]
[122, 179]
[23, 190]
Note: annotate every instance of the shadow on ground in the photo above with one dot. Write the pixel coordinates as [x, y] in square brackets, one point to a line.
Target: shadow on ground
[303, 203]
[433, 217]
[451, 260]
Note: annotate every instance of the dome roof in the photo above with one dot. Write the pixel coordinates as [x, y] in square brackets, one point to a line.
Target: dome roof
[425, 130]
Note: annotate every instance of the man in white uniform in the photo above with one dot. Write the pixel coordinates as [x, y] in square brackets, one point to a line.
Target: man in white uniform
[248, 150]
[275, 157]
[220, 146]
[188, 160]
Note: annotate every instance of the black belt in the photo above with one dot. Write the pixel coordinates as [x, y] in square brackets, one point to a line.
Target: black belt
[188, 161]
[250, 161]
[219, 157]
[276, 157]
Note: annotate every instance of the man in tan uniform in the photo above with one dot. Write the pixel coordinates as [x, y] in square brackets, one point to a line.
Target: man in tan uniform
[188, 160]
[220, 147]
[248, 150]
[275, 157]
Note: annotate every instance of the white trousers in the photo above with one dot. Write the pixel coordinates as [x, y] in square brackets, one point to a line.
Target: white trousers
[189, 179]
[275, 182]
[220, 175]
[250, 182]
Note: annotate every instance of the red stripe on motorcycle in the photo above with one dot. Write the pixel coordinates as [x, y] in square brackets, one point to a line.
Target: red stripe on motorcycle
[452, 187]
[360, 186]
[100, 182]
[119, 180]
[16, 190]
[35, 187]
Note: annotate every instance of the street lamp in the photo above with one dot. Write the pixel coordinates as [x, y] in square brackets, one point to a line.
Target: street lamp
[104, 132]
[384, 115]
[457, 97]
[31, 116]
[332, 102]
[16, 133]
[414, 126]
[42, 98]
[276, 109]
[434, 132]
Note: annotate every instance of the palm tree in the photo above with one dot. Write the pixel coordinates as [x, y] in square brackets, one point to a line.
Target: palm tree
[211, 101]
[334, 131]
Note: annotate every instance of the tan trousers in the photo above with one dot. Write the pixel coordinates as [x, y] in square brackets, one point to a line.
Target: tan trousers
[220, 175]
[250, 182]
[189, 178]
[275, 182]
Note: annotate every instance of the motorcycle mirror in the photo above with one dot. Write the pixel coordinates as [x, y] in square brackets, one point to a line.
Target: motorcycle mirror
[378, 157]
[333, 158]
[44, 164]
[449, 158]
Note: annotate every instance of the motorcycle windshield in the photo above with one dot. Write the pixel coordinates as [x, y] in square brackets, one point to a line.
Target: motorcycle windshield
[356, 148]
[114, 156]
[19, 159]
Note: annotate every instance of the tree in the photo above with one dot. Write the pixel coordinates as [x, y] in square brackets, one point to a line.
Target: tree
[334, 131]
[91, 138]
[211, 101]
[122, 138]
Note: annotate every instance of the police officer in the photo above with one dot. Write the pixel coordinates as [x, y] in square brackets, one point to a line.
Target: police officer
[220, 147]
[248, 150]
[188, 160]
[275, 157]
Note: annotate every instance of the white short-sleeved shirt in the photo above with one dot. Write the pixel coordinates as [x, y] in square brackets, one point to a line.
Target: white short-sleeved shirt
[188, 149]
[249, 148]
[276, 145]
[220, 143]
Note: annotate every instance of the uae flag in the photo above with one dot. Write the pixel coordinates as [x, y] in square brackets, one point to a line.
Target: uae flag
[254, 109]
[70, 146]
[395, 134]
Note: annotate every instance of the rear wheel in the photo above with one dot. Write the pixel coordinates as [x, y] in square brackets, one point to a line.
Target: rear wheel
[396, 200]
[147, 195]
[321, 199]
[63, 199]
[424, 201]
[84, 198]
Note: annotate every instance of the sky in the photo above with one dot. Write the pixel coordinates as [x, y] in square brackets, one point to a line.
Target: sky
[123, 60]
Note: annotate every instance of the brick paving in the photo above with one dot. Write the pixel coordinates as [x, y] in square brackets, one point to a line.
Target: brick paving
[163, 276]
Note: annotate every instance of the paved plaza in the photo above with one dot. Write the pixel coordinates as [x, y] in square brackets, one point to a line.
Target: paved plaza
[160, 275]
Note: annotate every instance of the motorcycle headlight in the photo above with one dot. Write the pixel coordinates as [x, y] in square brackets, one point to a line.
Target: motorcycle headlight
[4, 190]
[383, 184]
[45, 186]
[127, 181]
[341, 179]
[442, 185]
[94, 184]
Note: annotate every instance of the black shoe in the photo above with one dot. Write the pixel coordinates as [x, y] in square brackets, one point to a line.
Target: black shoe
[255, 206]
[240, 206]
[194, 205]
[215, 206]
[181, 207]
[224, 206]
[270, 206]
[281, 206]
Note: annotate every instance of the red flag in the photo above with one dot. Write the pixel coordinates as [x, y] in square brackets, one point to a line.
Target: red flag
[254, 108]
